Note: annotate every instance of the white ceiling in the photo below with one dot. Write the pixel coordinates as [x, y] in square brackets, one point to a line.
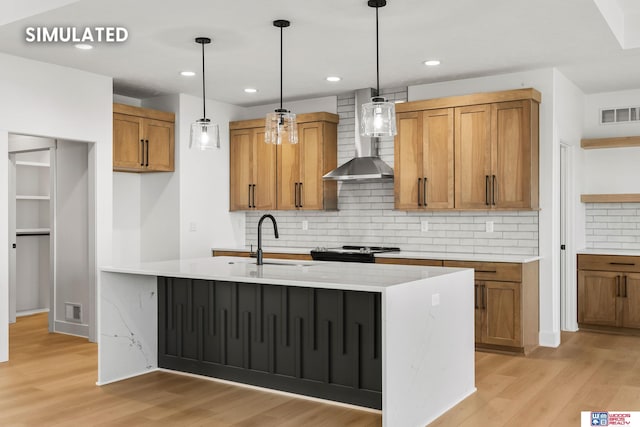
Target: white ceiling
[331, 37]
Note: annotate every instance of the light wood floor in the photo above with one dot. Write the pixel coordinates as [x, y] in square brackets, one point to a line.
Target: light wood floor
[50, 381]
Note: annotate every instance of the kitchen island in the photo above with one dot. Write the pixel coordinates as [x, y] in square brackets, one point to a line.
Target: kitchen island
[402, 336]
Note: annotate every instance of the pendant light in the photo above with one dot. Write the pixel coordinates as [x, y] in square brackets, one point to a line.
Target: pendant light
[281, 124]
[204, 134]
[379, 115]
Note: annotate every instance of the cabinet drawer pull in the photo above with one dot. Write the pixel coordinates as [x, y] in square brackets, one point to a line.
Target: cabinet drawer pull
[486, 271]
[486, 190]
[622, 263]
[419, 181]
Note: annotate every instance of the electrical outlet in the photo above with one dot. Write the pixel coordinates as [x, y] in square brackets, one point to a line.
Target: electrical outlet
[435, 299]
[424, 226]
[193, 226]
[489, 227]
[305, 225]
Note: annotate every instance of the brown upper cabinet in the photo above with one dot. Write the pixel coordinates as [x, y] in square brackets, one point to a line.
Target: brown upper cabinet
[468, 152]
[143, 139]
[287, 176]
[253, 170]
[424, 158]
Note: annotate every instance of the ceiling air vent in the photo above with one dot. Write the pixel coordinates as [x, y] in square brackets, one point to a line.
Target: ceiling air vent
[619, 115]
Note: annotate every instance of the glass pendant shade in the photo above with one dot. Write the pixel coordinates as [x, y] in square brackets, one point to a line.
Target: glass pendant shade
[378, 118]
[281, 127]
[205, 135]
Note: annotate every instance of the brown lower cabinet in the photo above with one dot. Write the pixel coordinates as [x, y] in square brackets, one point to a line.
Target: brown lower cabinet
[506, 305]
[609, 292]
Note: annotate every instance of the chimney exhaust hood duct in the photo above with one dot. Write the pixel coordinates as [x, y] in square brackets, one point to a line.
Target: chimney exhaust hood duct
[366, 165]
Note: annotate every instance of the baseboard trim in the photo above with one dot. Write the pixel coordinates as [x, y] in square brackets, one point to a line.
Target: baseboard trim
[549, 339]
[30, 312]
[68, 328]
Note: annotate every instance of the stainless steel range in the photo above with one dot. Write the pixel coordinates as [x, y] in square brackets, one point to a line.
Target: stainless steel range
[350, 253]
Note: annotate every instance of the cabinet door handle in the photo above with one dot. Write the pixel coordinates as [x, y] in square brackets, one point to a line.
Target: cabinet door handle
[626, 295]
[141, 152]
[419, 182]
[424, 192]
[486, 190]
[484, 297]
[475, 296]
[249, 196]
[617, 286]
[254, 195]
[300, 195]
[295, 194]
[493, 190]
[147, 143]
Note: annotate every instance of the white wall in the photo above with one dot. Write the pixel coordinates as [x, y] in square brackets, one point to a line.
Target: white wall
[204, 183]
[543, 81]
[569, 110]
[126, 218]
[611, 170]
[328, 104]
[72, 235]
[59, 102]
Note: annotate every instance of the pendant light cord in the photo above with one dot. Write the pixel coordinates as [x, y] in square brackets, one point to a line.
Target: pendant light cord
[377, 57]
[281, 50]
[204, 102]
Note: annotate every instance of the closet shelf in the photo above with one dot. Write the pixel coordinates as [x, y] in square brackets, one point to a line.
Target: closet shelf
[25, 197]
[34, 164]
[33, 231]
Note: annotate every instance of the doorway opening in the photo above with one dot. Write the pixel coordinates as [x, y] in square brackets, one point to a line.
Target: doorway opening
[51, 252]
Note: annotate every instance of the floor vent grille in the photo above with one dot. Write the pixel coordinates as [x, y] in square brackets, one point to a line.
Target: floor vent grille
[73, 312]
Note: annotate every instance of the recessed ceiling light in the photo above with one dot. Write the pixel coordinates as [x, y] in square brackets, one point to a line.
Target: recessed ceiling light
[250, 90]
[187, 73]
[333, 79]
[83, 46]
[432, 63]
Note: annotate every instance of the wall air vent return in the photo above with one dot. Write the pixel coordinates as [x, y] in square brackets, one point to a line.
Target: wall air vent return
[73, 312]
[619, 115]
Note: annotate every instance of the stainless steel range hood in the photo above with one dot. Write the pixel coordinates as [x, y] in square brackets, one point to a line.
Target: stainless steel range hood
[366, 165]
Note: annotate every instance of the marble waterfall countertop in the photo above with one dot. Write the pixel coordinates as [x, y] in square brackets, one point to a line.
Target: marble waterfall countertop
[449, 256]
[324, 274]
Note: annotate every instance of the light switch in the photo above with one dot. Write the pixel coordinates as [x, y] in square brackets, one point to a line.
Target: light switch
[305, 225]
[193, 226]
[489, 227]
[435, 299]
[424, 226]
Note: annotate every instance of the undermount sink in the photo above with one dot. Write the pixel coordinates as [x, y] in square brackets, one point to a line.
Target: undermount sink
[292, 263]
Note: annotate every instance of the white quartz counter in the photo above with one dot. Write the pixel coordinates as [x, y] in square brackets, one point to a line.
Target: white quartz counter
[623, 252]
[330, 275]
[450, 256]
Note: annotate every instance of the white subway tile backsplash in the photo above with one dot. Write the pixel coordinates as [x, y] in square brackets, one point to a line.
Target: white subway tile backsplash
[366, 213]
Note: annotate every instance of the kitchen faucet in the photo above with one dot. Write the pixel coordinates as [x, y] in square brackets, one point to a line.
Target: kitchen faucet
[275, 231]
